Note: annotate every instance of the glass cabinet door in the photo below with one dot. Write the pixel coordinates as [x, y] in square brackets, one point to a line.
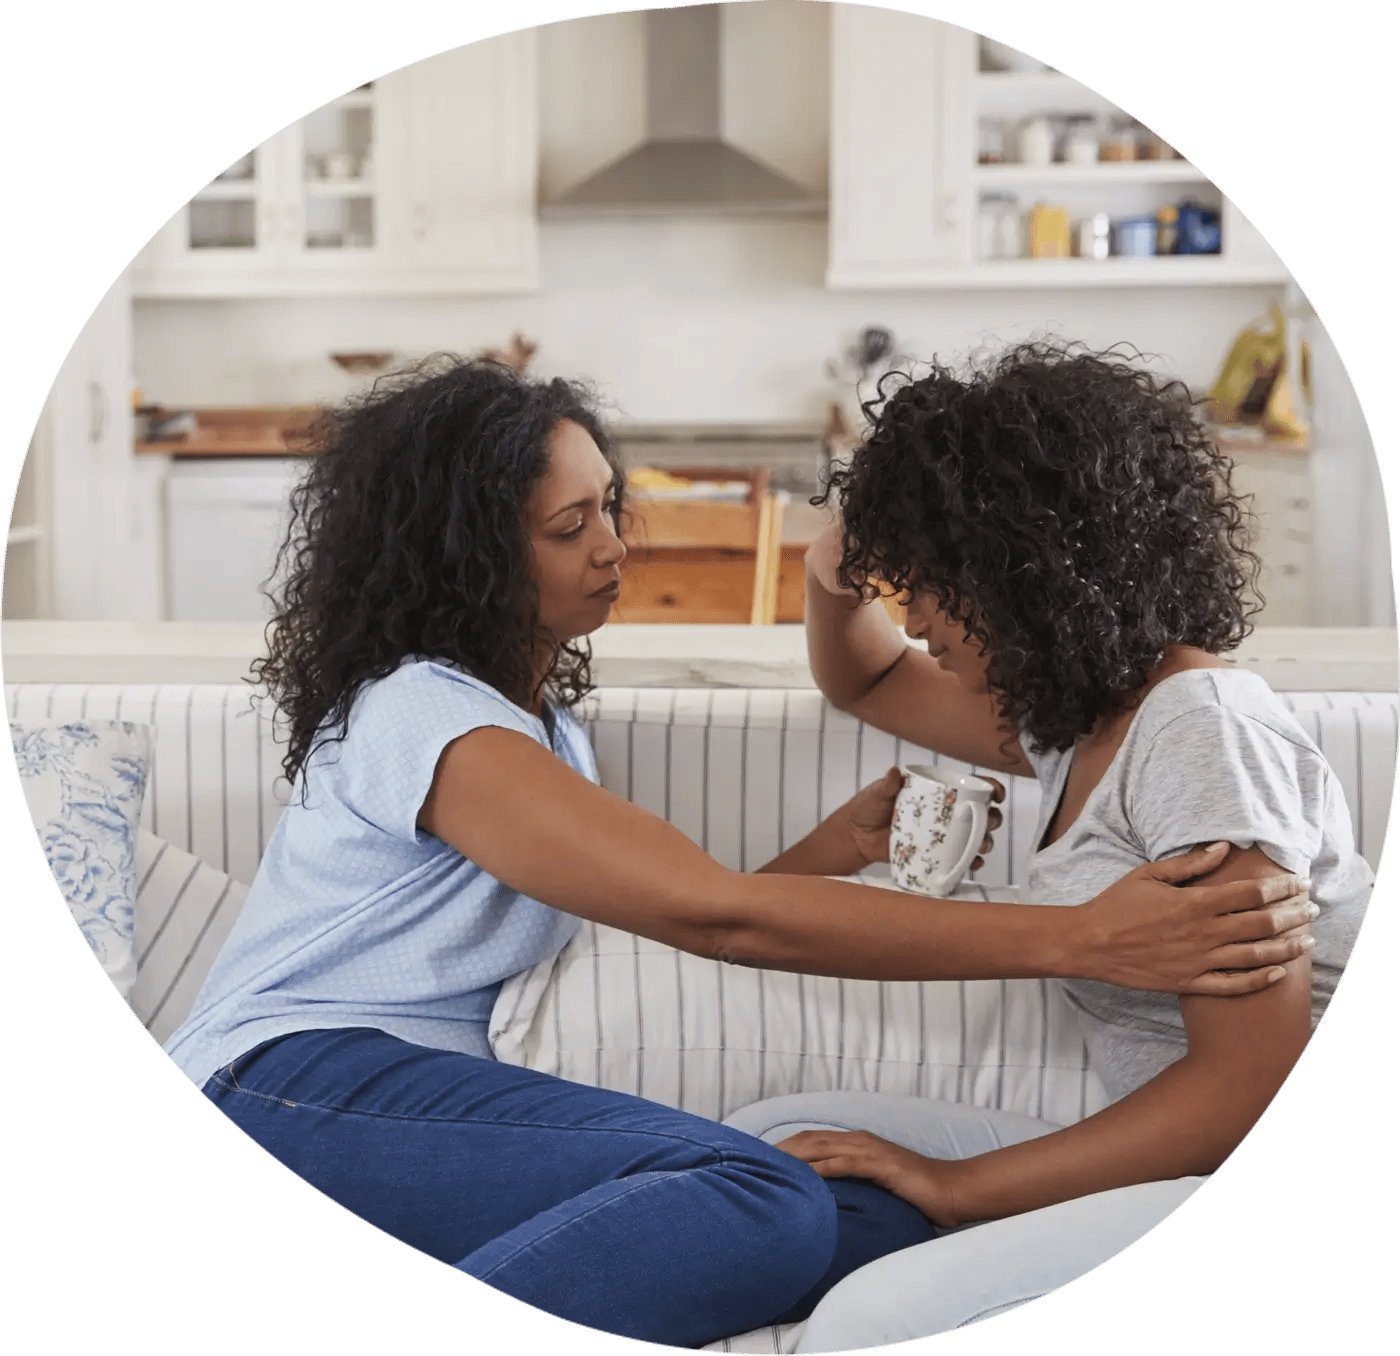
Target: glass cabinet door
[337, 182]
[224, 216]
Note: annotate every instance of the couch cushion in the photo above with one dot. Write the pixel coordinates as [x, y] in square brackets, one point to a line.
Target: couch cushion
[184, 910]
[83, 781]
[618, 1011]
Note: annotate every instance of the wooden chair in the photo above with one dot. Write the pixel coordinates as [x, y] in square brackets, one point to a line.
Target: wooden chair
[702, 560]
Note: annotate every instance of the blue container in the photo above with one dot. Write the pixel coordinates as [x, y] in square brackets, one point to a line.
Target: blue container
[1136, 236]
[1198, 229]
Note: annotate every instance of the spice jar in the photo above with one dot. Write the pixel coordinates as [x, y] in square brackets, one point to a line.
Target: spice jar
[1166, 230]
[1120, 143]
[991, 141]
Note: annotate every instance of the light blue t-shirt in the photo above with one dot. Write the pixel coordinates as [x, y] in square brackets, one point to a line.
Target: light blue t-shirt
[359, 918]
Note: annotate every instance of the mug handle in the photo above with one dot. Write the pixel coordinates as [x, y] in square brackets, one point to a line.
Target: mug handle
[978, 812]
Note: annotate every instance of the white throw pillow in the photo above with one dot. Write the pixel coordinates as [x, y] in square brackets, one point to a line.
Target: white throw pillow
[618, 1011]
[84, 781]
[184, 910]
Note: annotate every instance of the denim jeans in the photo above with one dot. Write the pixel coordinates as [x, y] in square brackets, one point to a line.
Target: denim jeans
[601, 1208]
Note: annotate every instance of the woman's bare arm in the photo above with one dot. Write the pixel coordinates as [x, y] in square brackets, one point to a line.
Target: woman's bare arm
[863, 665]
[1182, 1123]
[529, 820]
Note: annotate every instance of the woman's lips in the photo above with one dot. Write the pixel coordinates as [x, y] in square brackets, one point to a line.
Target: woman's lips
[608, 590]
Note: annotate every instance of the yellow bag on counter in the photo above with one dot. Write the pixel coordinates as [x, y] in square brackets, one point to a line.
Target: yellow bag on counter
[1253, 385]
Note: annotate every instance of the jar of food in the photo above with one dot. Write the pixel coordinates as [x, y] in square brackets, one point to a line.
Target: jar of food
[1094, 236]
[1121, 143]
[1049, 232]
[999, 227]
[1081, 143]
[1136, 236]
[1035, 141]
[1166, 230]
[991, 141]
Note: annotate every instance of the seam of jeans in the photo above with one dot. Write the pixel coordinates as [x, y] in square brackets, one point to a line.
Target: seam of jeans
[520, 1248]
[719, 1155]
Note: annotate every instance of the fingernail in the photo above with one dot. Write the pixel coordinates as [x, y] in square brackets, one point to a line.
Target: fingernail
[1276, 975]
[1308, 942]
[1313, 912]
[1219, 843]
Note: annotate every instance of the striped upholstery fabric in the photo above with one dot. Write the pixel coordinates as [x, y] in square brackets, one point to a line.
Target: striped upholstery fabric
[618, 1011]
[742, 772]
[184, 910]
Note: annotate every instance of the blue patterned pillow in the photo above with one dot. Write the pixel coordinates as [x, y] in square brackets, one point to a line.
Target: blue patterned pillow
[83, 781]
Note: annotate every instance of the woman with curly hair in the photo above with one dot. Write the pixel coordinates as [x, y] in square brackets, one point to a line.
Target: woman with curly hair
[454, 540]
[1076, 564]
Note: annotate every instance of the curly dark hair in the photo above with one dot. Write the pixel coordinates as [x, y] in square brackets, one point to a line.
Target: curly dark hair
[1069, 508]
[408, 537]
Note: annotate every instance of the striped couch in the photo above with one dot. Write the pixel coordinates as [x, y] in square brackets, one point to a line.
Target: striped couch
[743, 773]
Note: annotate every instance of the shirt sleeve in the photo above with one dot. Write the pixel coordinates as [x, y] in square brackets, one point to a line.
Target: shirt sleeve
[1215, 773]
[383, 768]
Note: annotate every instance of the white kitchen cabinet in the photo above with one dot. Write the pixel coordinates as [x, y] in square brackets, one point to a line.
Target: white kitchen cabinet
[1279, 485]
[901, 145]
[906, 99]
[421, 181]
[83, 524]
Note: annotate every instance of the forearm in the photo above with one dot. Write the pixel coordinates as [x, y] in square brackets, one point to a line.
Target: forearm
[828, 850]
[1182, 1124]
[827, 927]
[851, 645]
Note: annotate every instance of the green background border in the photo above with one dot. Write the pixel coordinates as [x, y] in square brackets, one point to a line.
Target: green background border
[136, 1213]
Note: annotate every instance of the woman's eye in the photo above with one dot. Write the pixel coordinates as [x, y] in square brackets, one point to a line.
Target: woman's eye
[572, 532]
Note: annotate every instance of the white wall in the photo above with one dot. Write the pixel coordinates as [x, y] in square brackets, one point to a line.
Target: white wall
[683, 320]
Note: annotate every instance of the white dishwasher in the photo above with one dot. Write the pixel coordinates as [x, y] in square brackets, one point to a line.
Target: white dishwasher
[225, 518]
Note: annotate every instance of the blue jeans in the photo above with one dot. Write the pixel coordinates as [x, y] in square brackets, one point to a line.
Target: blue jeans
[604, 1209]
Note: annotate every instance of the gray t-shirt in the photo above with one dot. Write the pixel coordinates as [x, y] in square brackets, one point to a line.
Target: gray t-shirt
[1211, 754]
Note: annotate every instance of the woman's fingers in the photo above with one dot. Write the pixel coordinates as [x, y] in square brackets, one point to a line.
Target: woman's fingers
[1188, 865]
[1223, 984]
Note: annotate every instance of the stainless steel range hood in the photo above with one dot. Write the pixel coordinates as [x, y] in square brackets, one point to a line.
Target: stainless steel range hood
[684, 167]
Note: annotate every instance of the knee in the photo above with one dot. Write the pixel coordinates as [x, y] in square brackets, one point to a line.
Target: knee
[792, 1211]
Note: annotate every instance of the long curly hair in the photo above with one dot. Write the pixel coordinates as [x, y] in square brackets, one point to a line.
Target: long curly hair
[408, 536]
[1068, 508]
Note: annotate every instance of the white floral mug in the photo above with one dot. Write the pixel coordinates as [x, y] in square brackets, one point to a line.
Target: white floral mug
[937, 829]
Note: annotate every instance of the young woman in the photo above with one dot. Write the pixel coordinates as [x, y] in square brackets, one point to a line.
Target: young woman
[455, 537]
[1075, 565]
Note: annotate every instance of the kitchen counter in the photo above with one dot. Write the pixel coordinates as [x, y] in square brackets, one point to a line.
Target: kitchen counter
[1291, 659]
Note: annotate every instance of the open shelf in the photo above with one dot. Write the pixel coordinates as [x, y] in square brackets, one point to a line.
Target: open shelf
[1104, 172]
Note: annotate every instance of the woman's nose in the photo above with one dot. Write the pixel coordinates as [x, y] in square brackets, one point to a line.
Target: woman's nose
[614, 549]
